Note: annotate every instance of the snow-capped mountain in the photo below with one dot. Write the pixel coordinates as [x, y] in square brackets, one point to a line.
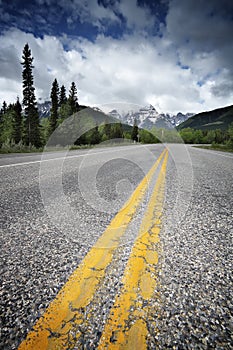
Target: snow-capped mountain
[44, 109]
[180, 118]
[148, 116]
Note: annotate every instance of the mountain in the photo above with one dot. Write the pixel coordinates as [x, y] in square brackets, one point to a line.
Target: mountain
[217, 119]
[180, 118]
[44, 109]
[148, 117]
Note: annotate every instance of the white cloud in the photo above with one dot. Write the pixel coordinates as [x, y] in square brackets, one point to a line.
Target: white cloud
[87, 12]
[129, 70]
[136, 17]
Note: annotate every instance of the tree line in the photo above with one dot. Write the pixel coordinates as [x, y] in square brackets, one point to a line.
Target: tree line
[192, 136]
[20, 123]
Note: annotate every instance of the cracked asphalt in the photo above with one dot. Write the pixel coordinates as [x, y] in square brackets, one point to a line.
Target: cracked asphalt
[46, 234]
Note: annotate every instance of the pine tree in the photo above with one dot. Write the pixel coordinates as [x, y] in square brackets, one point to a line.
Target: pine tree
[95, 136]
[7, 122]
[230, 135]
[73, 99]
[4, 107]
[55, 103]
[117, 131]
[17, 124]
[107, 130]
[32, 124]
[134, 133]
[62, 96]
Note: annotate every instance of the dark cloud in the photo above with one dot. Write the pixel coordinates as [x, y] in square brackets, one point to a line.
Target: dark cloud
[203, 24]
[223, 89]
[201, 28]
[9, 63]
[80, 16]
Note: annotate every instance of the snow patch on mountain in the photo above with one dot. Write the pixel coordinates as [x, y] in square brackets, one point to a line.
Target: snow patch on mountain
[44, 109]
[147, 117]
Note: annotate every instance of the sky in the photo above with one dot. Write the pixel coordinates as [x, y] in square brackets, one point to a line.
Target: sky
[174, 54]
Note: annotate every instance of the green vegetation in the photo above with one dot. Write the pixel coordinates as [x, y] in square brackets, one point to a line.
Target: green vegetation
[31, 115]
[134, 134]
[216, 139]
[54, 109]
[214, 127]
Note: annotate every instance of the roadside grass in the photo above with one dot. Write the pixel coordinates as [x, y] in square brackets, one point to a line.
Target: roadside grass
[28, 149]
[217, 147]
[21, 148]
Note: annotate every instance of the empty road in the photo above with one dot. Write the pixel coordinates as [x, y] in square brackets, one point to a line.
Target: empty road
[117, 248]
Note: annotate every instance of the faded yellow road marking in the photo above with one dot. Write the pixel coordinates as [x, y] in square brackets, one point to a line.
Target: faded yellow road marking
[55, 329]
[126, 327]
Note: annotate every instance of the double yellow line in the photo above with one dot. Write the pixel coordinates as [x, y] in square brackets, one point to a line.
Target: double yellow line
[55, 329]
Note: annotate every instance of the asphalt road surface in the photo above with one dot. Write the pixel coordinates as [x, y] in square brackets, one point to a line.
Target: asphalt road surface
[117, 248]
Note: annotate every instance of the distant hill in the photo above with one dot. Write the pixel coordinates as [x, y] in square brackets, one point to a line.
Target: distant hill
[219, 118]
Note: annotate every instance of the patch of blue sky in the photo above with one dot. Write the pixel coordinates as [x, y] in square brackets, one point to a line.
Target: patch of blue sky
[158, 8]
[182, 66]
[209, 76]
[200, 83]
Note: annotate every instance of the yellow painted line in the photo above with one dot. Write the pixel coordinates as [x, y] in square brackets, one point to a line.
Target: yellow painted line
[55, 329]
[126, 327]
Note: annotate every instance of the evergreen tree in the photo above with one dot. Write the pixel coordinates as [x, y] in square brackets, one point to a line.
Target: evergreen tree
[95, 136]
[107, 130]
[54, 109]
[7, 122]
[230, 135]
[32, 124]
[17, 124]
[64, 111]
[62, 96]
[134, 133]
[117, 131]
[4, 107]
[1, 115]
[73, 99]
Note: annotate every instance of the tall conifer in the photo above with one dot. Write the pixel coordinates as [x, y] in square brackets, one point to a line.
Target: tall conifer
[134, 133]
[73, 99]
[17, 125]
[62, 96]
[55, 103]
[32, 123]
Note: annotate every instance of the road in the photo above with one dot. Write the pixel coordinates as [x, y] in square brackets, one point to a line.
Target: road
[117, 248]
